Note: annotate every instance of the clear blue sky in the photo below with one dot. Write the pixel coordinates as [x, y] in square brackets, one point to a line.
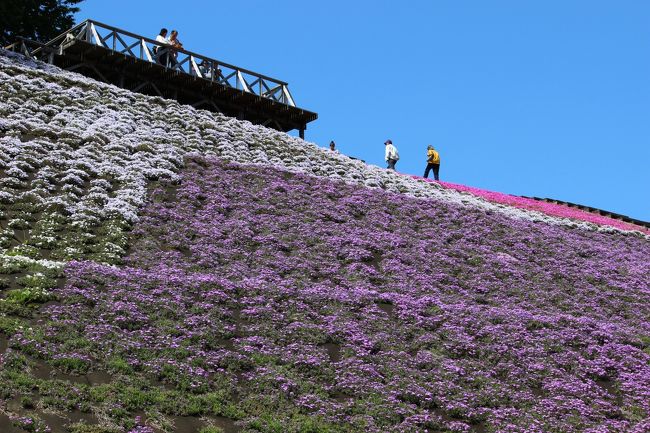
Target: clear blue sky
[540, 98]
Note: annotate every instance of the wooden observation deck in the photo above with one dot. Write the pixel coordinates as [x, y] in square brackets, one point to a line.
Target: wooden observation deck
[146, 66]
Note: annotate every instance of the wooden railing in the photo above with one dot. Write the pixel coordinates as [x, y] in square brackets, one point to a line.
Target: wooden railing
[149, 50]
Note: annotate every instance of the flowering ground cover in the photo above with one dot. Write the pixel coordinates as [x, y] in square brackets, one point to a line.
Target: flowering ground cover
[258, 300]
[76, 157]
[247, 298]
[94, 131]
[547, 208]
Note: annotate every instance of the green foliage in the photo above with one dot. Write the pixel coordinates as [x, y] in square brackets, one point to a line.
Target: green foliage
[72, 365]
[263, 359]
[267, 424]
[298, 423]
[215, 402]
[39, 20]
[37, 280]
[14, 310]
[195, 406]
[313, 424]
[8, 266]
[21, 382]
[31, 424]
[119, 365]
[100, 393]
[53, 272]
[85, 428]
[9, 325]
[61, 394]
[211, 429]
[18, 224]
[14, 362]
[645, 341]
[135, 399]
[635, 413]
[27, 402]
[29, 295]
[232, 411]
[24, 250]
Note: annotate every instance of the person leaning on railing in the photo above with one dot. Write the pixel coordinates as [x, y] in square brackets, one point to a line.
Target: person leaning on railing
[176, 45]
[162, 53]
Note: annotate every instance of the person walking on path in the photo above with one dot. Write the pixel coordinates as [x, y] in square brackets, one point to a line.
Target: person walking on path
[433, 162]
[392, 156]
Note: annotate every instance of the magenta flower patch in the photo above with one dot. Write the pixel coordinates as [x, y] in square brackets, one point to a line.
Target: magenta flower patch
[546, 208]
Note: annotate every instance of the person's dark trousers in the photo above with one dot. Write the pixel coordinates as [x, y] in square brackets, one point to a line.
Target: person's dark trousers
[391, 164]
[163, 58]
[436, 170]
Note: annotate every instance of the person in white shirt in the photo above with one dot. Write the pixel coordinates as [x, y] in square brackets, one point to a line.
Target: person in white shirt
[392, 156]
[163, 56]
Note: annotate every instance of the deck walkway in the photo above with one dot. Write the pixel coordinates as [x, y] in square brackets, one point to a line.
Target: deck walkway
[130, 61]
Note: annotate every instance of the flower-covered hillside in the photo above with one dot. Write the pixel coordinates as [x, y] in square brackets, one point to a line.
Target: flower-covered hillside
[254, 299]
[77, 156]
[56, 121]
[267, 301]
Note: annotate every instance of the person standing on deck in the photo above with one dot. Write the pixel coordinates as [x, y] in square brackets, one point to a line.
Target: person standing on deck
[162, 52]
[392, 156]
[176, 45]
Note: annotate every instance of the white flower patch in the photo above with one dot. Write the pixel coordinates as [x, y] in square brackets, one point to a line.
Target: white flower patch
[6, 197]
[27, 261]
[16, 172]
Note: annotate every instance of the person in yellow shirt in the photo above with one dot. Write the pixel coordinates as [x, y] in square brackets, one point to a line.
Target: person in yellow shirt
[433, 162]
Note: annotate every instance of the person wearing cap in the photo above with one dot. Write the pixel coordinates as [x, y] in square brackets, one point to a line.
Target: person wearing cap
[333, 146]
[392, 156]
[433, 162]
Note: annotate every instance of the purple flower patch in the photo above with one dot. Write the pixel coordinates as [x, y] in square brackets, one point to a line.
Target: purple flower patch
[296, 302]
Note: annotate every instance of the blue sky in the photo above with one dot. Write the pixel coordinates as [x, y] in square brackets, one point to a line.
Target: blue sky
[539, 98]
